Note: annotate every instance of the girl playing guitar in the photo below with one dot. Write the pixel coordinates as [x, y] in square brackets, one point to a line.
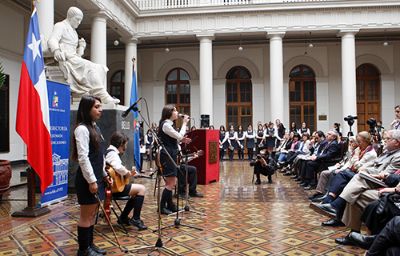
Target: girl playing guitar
[118, 145]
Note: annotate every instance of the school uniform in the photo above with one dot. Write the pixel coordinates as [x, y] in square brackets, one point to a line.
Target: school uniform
[250, 143]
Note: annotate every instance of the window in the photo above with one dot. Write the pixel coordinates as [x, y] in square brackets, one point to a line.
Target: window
[302, 96]
[117, 86]
[177, 90]
[239, 97]
[5, 116]
[368, 95]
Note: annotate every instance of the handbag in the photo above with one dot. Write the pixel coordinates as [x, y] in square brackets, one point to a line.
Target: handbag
[389, 202]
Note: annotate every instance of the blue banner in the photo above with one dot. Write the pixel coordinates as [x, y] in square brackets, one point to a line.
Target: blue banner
[59, 110]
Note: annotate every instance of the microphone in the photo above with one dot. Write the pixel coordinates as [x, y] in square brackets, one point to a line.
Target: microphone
[126, 112]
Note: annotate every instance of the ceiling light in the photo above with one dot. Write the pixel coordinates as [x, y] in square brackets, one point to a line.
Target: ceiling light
[386, 43]
[166, 49]
[240, 48]
[116, 42]
[310, 45]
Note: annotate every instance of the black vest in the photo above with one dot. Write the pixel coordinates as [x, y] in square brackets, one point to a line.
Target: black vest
[96, 156]
[170, 144]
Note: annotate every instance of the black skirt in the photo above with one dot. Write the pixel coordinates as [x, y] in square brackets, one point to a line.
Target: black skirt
[82, 190]
[169, 168]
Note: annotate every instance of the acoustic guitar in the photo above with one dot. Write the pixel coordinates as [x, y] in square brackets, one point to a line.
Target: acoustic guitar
[119, 181]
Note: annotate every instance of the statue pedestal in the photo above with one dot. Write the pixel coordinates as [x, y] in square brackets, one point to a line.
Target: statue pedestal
[110, 122]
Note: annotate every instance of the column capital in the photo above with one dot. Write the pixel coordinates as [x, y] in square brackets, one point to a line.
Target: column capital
[209, 36]
[276, 33]
[130, 39]
[348, 31]
[99, 14]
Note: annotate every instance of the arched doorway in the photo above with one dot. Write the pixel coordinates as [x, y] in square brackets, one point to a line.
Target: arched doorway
[368, 95]
[239, 97]
[117, 86]
[177, 90]
[302, 95]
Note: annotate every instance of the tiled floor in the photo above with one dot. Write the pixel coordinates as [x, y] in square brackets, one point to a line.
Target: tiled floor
[242, 219]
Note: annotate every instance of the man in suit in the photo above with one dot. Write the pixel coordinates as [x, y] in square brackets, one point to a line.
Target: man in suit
[321, 162]
[359, 192]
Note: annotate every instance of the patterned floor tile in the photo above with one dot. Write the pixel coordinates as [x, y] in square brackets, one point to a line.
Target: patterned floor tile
[242, 219]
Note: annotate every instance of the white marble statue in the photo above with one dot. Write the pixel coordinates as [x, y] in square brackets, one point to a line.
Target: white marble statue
[83, 76]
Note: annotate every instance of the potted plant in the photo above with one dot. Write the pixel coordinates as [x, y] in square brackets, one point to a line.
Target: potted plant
[5, 166]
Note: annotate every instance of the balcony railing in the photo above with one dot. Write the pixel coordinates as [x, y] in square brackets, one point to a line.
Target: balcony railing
[170, 4]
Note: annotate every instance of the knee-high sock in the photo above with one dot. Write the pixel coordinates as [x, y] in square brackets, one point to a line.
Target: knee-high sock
[137, 207]
[83, 237]
[128, 208]
[90, 235]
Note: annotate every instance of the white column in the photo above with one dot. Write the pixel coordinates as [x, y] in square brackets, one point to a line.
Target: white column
[45, 11]
[349, 86]
[276, 75]
[98, 46]
[130, 52]
[206, 76]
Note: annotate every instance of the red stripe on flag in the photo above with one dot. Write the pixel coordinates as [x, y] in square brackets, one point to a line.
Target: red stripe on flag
[33, 131]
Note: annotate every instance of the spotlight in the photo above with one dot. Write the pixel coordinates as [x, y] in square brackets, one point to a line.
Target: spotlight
[116, 42]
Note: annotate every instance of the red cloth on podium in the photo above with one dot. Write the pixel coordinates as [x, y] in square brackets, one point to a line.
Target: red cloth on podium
[208, 164]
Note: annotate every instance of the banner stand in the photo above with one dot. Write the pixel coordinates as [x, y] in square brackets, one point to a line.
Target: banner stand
[32, 210]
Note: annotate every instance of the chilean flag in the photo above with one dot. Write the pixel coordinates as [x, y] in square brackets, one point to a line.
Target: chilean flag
[33, 122]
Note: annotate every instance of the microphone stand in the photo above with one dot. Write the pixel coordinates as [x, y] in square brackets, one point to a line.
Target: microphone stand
[159, 245]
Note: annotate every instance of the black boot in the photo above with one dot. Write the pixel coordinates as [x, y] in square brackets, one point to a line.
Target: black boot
[269, 179]
[92, 245]
[137, 209]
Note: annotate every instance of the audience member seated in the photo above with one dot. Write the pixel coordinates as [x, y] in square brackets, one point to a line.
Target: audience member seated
[325, 177]
[320, 162]
[359, 192]
[366, 158]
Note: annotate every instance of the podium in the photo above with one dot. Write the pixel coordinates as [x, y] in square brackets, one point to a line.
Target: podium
[208, 164]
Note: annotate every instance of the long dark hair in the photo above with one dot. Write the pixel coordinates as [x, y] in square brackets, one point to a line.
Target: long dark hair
[83, 117]
[118, 139]
[165, 114]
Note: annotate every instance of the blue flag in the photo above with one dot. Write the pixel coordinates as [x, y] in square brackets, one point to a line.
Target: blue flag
[136, 126]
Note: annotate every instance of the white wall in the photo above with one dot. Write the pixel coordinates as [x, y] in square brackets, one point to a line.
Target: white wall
[11, 54]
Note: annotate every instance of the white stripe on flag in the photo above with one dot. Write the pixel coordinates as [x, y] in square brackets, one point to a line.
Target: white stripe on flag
[41, 88]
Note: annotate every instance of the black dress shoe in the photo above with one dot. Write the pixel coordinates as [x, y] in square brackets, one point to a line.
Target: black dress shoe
[362, 241]
[98, 249]
[315, 195]
[88, 252]
[123, 221]
[310, 187]
[166, 211]
[318, 199]
[196, 194]
[325, 209]
[304, 184]
[345, 240]
[332, 223]
[258, 182]
[139, 224]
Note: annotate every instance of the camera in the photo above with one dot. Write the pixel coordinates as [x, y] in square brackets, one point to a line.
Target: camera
[350, 119]
[372, 124]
